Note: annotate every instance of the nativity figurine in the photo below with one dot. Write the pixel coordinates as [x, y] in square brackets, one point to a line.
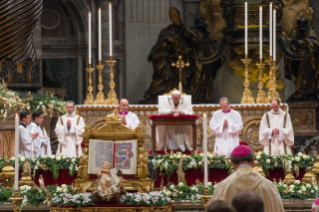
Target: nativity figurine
[108, 182]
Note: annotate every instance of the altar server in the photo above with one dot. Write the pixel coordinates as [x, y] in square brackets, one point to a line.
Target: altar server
[275, 132]
[175, 137]
[42, 144]
[69, 129]
[25, 138]
[226, 124]
[128, 118]
[246, 178]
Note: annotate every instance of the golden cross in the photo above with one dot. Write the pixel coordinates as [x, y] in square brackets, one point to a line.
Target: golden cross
[246, 185]
[180, 65]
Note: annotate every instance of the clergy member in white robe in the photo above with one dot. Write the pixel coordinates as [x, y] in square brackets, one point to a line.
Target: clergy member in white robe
[69, 129]
[25, 138]
[275, 132]
[175, 137]
[226, 124]
[42, 144]
[128, 118]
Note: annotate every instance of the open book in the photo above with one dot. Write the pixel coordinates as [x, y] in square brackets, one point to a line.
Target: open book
[122, 154]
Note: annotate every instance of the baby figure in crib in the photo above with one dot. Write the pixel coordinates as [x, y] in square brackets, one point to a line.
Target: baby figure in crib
[108, 179]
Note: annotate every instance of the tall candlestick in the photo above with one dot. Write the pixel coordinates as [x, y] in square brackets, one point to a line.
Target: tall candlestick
[246, 29]
[90, 42]
[16, 154]
[260, 33]
[100, 35]
[110, 29]
[274, 37]
[270, 29]
[205, 150]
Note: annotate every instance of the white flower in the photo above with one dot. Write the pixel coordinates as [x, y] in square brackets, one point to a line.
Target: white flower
[58, 189]
[316, 188]
[297, 159]
[33, 159]
[180, 184]
[19, 156]
[73, 160]
[22, 159]
[52, 156]
[63, 157]
[181, 192]
[209, 155]
[64, 186]
[267, 160]
[312, 191]
[300, 191]
[297, 182]
[308, 185]
[65, 190]
[215, 186]
[172, 186]
[168, 193]
[58, 158]
[292, 159]
[209, 183]
[258, 157]
[305, 156]
[178, 156]
[303, 188]
[22, 188]
[289, 162]
[13, 158]
[40, 191]
[61, 154]
[300, 154]
[285, 185]
[54, 194]
[40, 103]
[200, 163]
[291, 187]
[45, 156]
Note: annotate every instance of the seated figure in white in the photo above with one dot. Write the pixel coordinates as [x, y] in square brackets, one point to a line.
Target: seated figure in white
[175, 137]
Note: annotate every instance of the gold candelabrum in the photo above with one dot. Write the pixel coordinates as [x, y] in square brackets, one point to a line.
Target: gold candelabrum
[247, 97]
[261, 97]
[89, 97]
[272, 93]
[100, 98]
[16, 198]
[111, 96]
[180, 65]
[206, 196]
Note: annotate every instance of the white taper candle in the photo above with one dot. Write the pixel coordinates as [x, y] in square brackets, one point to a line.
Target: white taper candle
[246, 29]
[260, 33]
[100, 35]
[274, 37]
[16, 153]
[110, 29]
[205, 150]
[90, 39]
[270, 29]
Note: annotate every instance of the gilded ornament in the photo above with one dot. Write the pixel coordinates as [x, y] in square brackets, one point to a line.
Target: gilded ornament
[100, 98]
[289, 178]
[26, 178]
[258, 169]
[309, 177]
[247, 97]
[111, 96]
[315, 168]
[180, 65]
[89, 97]
[261, 96]
[7, 175]
[16, 198]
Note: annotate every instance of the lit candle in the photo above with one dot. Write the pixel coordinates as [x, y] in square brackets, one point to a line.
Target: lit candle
[205, 150]
[274, 37]
[260, 33]
[246, 29]
[100, 35]
[90, 42]
[110, 29]
[270, 29]
[16, 154]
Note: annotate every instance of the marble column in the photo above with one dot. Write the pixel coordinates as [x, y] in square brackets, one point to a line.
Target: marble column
[190, 11]
[315, 17]
[37, 43]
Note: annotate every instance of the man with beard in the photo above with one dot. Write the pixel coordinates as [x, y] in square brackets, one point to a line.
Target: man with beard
[306, 72]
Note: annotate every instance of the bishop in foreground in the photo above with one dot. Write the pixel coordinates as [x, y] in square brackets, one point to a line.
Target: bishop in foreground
[275, 132]
[69, 129]
[246, 178]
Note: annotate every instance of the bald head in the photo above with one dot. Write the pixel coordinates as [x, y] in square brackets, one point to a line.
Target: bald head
[248, 201]
[123, 105]
[275, 104]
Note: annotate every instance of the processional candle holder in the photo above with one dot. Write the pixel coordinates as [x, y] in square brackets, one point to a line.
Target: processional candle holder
[272, 93]
[111, 96]
[100, 98]
[16, 198]
[247, 97]
[206, 196]
[89, 97]
[261, 97]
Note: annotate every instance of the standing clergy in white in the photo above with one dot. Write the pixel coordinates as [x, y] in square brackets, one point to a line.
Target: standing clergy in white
[175, 137]
[69, 129]
[42, 144]
[275, 132]
[25, 138]
[226, 124]
[129, 119]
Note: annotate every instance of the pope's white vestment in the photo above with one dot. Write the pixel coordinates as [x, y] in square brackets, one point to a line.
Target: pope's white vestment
[226, 139]
[276, 144]
[132, 120]
[175, 137]
[42, 144]
[71, 138]
[25, 141]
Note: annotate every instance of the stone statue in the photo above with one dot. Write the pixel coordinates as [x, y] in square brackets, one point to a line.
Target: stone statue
[229, 13]
[41, 182]
[108, 181]
[152, 171]
[278, 6]
[83, 165]
[304, 71]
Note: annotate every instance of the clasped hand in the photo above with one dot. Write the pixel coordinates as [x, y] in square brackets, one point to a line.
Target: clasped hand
[176, 113]
[275, 131]
[35, 135]
[225, 123]
[123, 119]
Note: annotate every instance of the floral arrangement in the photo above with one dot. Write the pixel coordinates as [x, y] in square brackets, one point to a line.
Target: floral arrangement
[151, 199]
[182, 192]
[5, 194]
[76, 200]
[297, 190]
[168, 163]
[52, 163]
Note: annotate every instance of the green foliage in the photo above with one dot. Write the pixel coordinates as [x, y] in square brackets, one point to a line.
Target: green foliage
[5, 194]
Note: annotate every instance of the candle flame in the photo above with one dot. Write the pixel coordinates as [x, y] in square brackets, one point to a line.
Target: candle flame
[274, 10]
[17, 116]
[89, 13]
[260, 7]
[99, 9]
[110, 4]
[204, 114]
[270, 3]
